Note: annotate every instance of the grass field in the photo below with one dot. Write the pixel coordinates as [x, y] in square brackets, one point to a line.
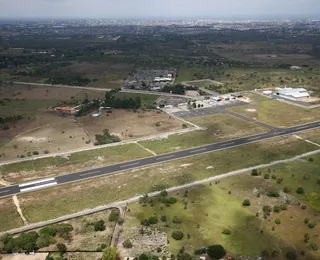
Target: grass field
[146, 99]
[54, 202]
[212, 208]
[51, 166]
[9, 217]
[26, 108]
[276, 113]
[219, 127]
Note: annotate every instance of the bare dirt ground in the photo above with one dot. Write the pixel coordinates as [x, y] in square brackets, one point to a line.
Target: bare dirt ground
[128, 124]
[49, 131]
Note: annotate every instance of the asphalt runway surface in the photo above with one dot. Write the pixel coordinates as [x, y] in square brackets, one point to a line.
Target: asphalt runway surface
[106, 170]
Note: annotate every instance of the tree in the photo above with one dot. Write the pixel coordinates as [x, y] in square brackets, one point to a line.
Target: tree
[246, 203]
[153, 220]
[277, 221]
[314, 246]
[306, 238]
[177, 235]
[216, 251]
[114, 215]
[163, 218]
[110, 253]
[300, 190]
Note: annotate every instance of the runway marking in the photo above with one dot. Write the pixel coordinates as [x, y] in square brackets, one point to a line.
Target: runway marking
[4, 191]
[128, 165]
[88, 173]
[226, 144]
[164, 157]
[39, 187]
[36, 182]
[198, 150]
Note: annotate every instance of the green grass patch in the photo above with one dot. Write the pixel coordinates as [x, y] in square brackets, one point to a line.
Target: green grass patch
[219, 127]
[26, 108]
[108, 155]
[61, 200]
[146, 99]
[276, 113]
[209, 210]
[9, 217]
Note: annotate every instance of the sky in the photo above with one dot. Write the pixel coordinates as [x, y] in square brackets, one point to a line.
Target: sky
[164, 9]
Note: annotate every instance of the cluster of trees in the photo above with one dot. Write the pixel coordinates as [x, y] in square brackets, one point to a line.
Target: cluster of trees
[177, 89]
[126, 103]
[214, 251]
[106, 138]
[87, 107]
[68, 79]
[33, 241]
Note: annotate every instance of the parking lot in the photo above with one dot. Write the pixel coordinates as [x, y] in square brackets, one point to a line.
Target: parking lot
[208, 110]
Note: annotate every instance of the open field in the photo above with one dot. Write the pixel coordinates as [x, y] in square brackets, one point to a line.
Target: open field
[250, 78]
[202, 83]
[219, 127]
[277, 113]
[48, 132]
[52, 166]
[212, 208]
[54, 202]
[9, 215]
[128, 124]
[311, 135]
[146, 99]
[47, 93]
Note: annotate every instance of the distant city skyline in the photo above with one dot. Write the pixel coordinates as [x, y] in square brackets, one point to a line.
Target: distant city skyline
[164, 9]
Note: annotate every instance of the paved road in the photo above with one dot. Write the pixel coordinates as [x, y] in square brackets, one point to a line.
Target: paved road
[78, 176]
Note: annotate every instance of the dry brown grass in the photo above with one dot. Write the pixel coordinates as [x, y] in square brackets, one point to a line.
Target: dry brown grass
[128, 124]
[9, 217]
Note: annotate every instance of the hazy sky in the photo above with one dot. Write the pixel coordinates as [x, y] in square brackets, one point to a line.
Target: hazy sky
[158, 8]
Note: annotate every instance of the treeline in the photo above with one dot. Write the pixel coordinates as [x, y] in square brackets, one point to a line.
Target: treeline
[67, 79]
[33, 240]
[5, 120]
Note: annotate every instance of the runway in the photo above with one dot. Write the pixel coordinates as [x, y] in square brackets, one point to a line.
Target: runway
[106, 170]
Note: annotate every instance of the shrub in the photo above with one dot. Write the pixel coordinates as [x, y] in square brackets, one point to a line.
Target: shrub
[274, 177]
[246, 203]
[62, 248]
[277, 221]
[35, 152]
[283, 207]
[311, 224]
[177, 235]
[184, 126]
[50, 230]
[169, 201]
[314, 246]
[266, 210]
[45, 240]
[163, 218]
[114, 215]
[300, 190]
[64, 230]
[176, 220]
[164, 193]
[286, 189]
[200, 251]
[273, 194]
[267, 176]
[216, 251]
[153, 220]
[310, 159]
[99, 225]
[127, 244]
[276, 209]
[46, 151]
[291, 255]
[306, 220]
[145, 222]
[254, 172]
[226, 231]
[306, 177]
[157, 124]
